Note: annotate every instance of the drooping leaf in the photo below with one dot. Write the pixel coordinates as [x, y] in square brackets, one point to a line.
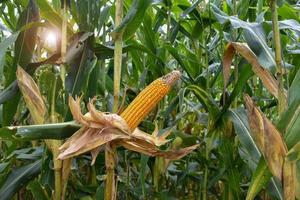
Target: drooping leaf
[290, 24]
[271, 144]
[227, 61]
[266, 77]
[105, 51]
[205, 99]
[190, 9]
[253, 34]
[261, 175]
[173, 51]
[9, 92]
[267, 138]
[32, 96]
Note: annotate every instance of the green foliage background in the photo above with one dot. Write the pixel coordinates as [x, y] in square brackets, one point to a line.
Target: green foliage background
[159, 36]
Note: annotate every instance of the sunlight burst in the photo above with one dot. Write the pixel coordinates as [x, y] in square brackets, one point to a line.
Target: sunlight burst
[51, 39]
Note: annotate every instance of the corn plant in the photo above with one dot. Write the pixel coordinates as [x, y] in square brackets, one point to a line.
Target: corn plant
[149, 99]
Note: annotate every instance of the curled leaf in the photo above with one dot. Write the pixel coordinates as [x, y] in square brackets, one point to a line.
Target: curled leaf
[269, 141]
[265, 76]
[94, 118]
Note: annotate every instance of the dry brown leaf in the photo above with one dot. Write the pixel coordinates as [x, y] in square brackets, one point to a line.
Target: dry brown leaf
[32, 96]
[178, 153]
[227, 61]
[271, 144]
[153, 139]
[94, 118]
[289, 180]
[265, 76]
[154, 151]
[88, 140]
[267, 138]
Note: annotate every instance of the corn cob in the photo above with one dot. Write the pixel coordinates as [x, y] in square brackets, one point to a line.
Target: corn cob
[140, 107]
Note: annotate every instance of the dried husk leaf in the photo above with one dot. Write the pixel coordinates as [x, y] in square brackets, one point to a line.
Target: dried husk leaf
[266, 77]
[32, 96]
[104, 128]
[153, 139]
[152, 150]
[88, 140]
[94, 118]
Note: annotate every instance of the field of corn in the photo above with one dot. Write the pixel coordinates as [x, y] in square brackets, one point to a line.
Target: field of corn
[149, 99]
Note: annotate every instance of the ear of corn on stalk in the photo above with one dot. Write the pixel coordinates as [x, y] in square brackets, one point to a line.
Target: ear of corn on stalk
[148, 99]
[101, 128]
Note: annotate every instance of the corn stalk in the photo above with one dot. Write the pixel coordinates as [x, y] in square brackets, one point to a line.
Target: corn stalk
[110, 151]
[64, 31]
[117, 54]
[278, 59]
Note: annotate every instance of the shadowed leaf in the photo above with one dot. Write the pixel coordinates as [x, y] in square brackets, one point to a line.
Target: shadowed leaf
[18, 178]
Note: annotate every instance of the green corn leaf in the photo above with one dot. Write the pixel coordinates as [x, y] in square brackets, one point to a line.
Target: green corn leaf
[18, 178]
[36, 132]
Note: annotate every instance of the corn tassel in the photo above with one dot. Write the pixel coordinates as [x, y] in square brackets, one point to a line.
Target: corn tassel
[140, 107]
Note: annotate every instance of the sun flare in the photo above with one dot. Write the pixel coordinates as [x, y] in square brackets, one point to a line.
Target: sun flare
[50, 39]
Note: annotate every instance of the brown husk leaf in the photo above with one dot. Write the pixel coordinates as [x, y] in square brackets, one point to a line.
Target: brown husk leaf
[102, 128]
